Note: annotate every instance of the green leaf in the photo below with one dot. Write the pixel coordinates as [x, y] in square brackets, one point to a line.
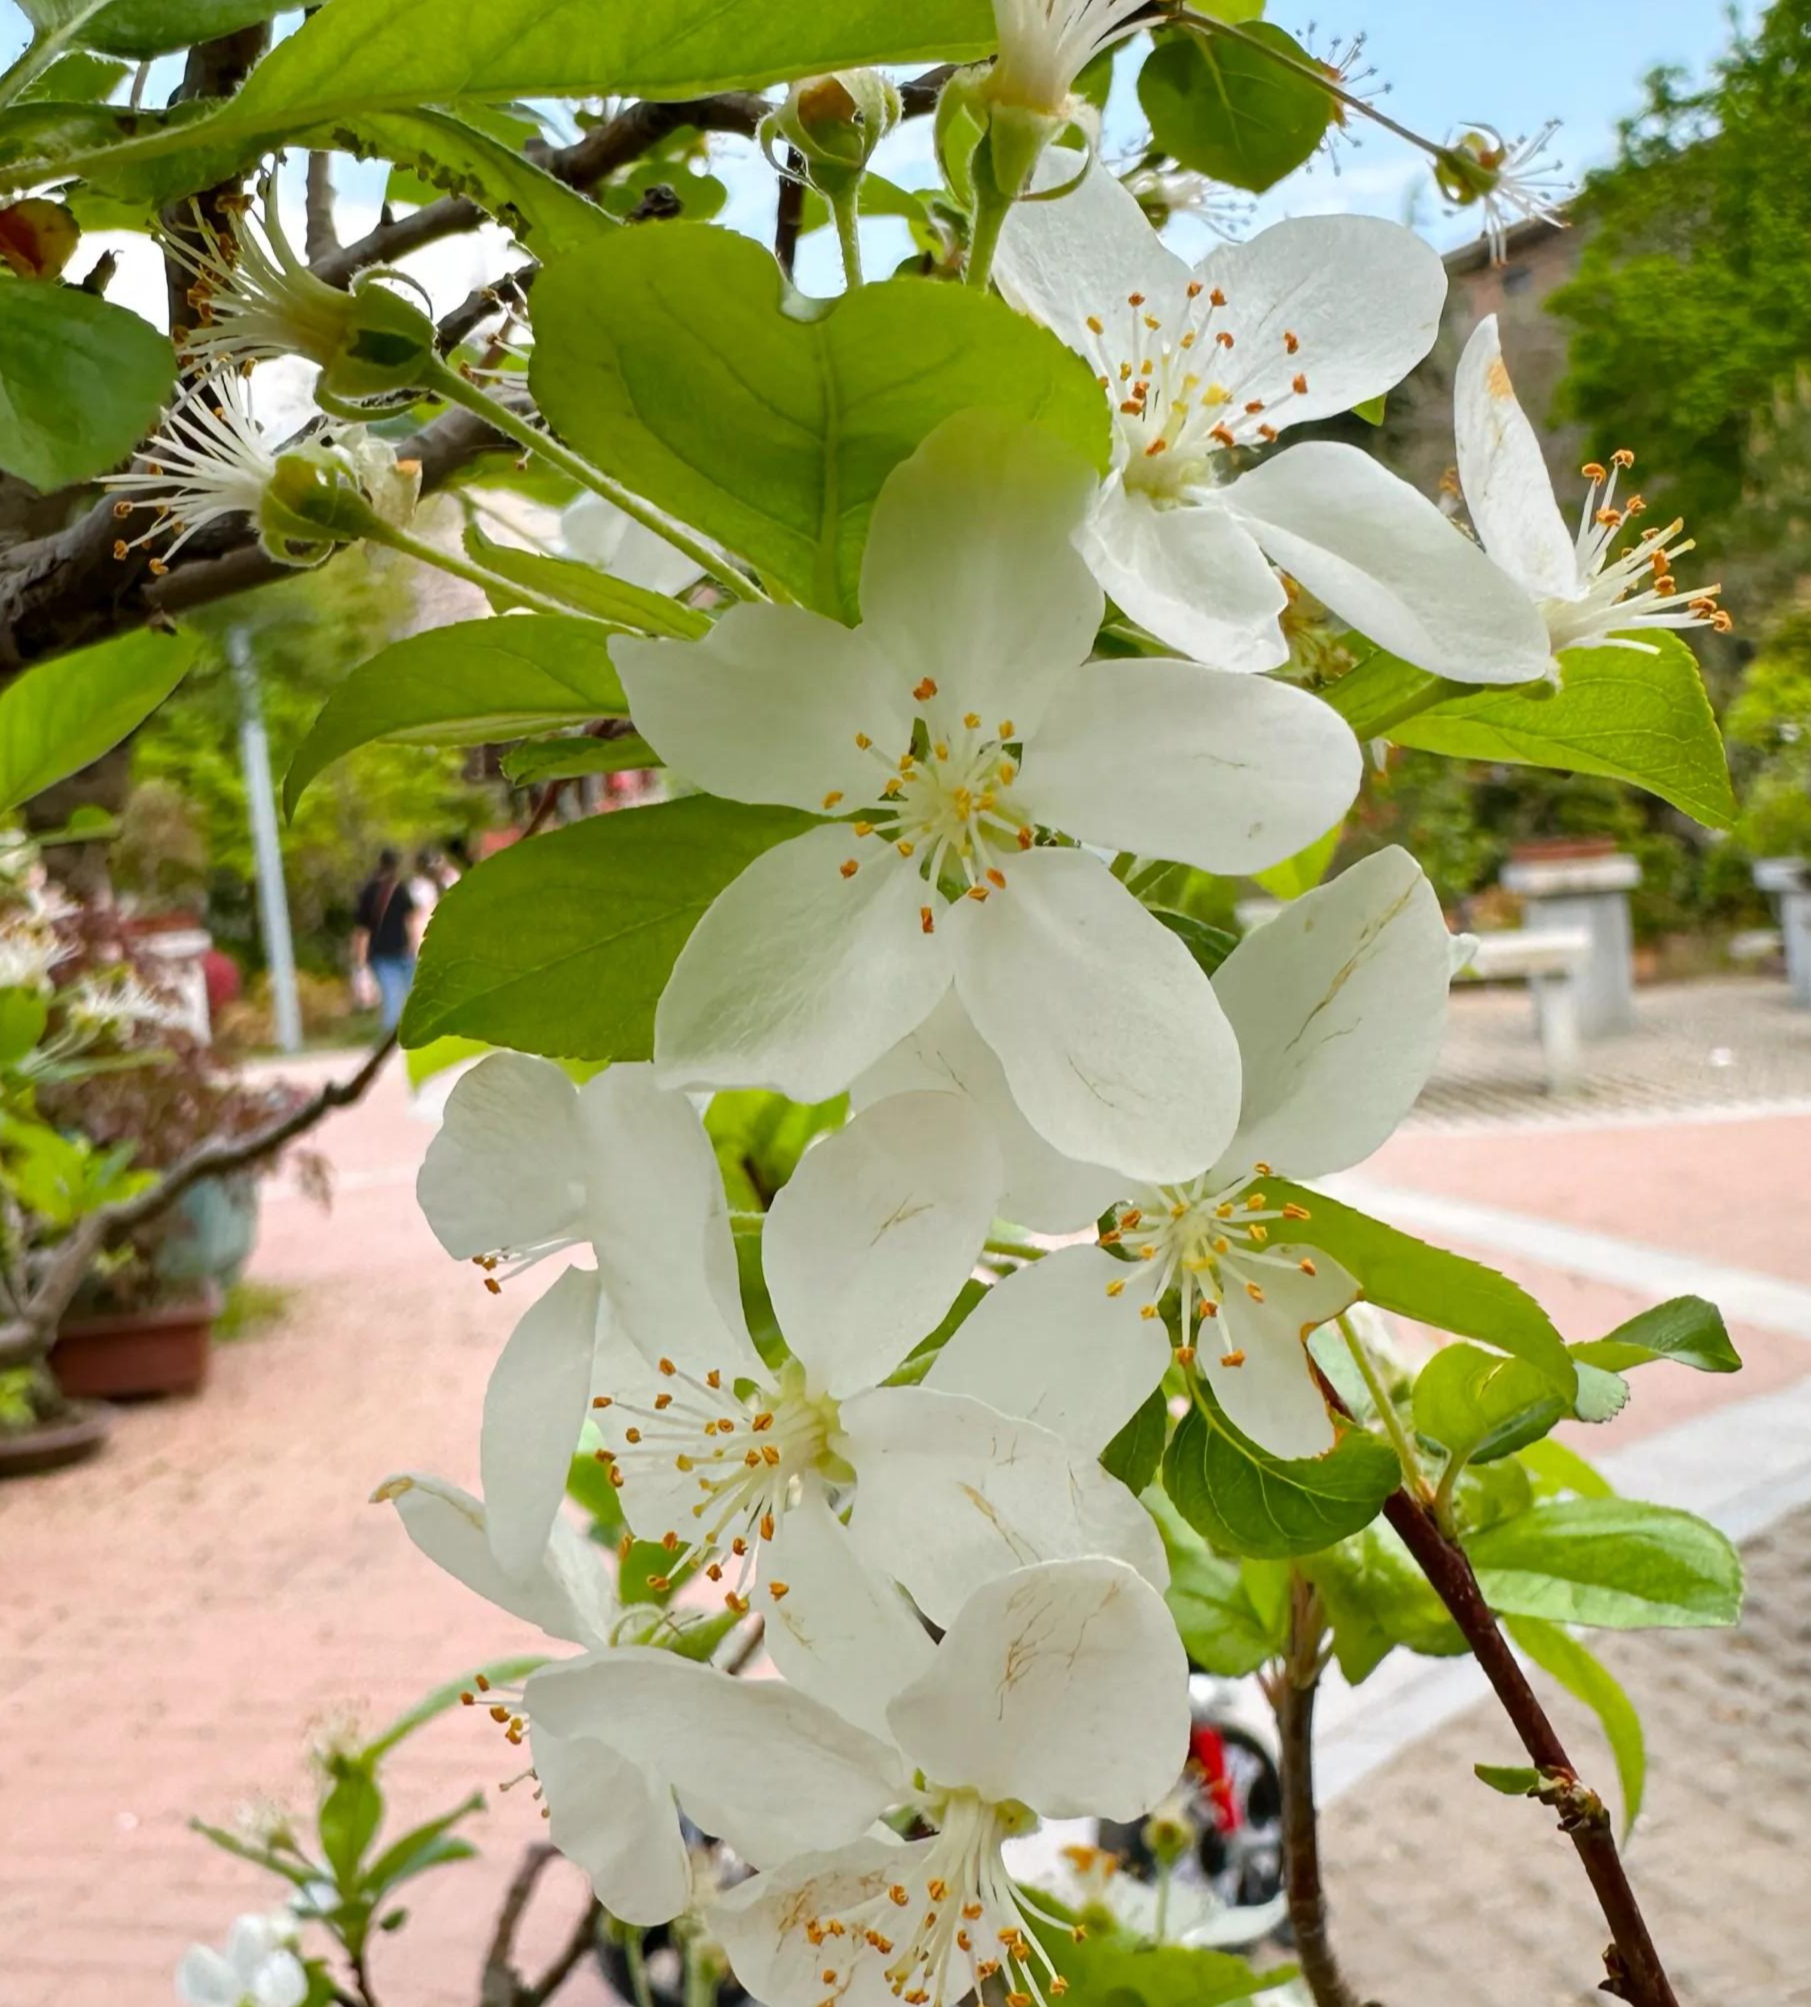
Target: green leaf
[1373, 410]
[878, 197]
[350, 1816]
[1514, 1780]
[1134, 1454]
[1222, 1629]
[1556, 1468]
[1244, 1499]
[583, 589]
[23, 1016]
[427, 1060]
[75, 79]
[1433, 1286]
[359, 56]
[81, 382]
[1377, 1598]
[421, 1848]
[1685, 1329]
[300, 1872]
[761, 1135]
[698, 1640]
[64, 714]
[1111, 1968]
[1305, 870]
[1465, 1397]
[1209, 945]
[1231, 110]
[678, 361]
[499, 1672]
[1635, 717]
[562, 945]
[1586, 1678]
[571, 758]
[1610, 1562]
[1383, 689]
[588, 1486]
[469, 684]
[455, 156]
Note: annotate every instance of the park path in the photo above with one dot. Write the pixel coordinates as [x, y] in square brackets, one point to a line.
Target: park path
[179, 1619]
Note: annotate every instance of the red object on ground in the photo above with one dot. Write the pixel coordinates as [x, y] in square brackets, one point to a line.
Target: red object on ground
[224, 982]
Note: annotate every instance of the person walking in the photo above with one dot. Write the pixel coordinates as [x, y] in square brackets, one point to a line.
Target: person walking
[384, 941]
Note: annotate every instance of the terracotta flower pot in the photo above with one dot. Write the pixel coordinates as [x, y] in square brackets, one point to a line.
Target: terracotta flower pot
[160, 1350]
[52, 1445]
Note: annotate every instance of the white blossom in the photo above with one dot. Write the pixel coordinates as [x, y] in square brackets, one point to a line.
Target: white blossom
[964, 727]
[1205, 366]
[257, 1967]
[1589, 593]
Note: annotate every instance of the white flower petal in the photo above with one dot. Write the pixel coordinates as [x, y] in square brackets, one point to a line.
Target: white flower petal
[252, 1939]
[970, 576]
[534, 1408]
[878, 1228]
[659, 1221]
[1507, 488]
[1384, 558]
[281, 1981]
[1361, 297]
[950, 1493]
[1063, 1685]
[798, 978]
[568, 1595]
[205, 1979]
[766, 706]
[1339, 1004]
[759, 1922]
[1168, 759]
[779, 1773]
[841, 1633]
[616, 1818]
[1085, 254]
[1273, 1396]
[1041, 1188]
[598, 533]
[1050, 1344]
[1107, 1030]
[1192, 573]
[506, 1167]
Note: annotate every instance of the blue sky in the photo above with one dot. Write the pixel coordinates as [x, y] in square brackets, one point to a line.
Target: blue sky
[1449, 62]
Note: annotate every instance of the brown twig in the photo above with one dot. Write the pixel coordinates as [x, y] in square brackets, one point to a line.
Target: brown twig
[789, 212]
[1293, 1696]
[29, 1337]
[320, 239]
[1632, 1964]
[502, 1985]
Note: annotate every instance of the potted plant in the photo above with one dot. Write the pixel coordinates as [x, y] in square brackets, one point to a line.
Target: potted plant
[107, 1093]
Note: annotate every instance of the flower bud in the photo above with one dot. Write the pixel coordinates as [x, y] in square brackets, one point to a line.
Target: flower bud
[834, 123]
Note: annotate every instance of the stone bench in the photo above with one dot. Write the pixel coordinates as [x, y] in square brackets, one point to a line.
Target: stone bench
[1548, 960]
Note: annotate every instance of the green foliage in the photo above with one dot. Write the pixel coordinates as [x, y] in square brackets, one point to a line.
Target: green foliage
[1685, 1329]
[1609, 1562]
[572, 757]
[1227, 107]
[1692, 298]
[1112, 1968]
[362, 56]
[1427, 1283]
[1477, 1404]
[23, 1016]
[457, 156]
[1248, 1501]
[1375, 1599]
[1210, 945]
[759, 1138]
[465, 685]
[583, 589]
[1586, 1678]
[1768, 725]
[304, 636]
[1223, 1628]
[679, 361]
[1135, 1452]
[65, 713]
[81, 382]
[562, 945]
[1640, 717]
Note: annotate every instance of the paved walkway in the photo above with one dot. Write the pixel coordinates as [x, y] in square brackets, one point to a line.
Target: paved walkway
[179, 1618]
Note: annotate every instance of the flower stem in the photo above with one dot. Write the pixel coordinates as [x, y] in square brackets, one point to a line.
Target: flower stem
[43, 49]
[636, 1960]
[456, 389]
[991, 210]
[1386, 1408]
[846, 209]
[488, 582]
[1018, 1250]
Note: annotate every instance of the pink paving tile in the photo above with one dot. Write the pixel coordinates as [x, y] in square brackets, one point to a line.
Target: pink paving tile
[1738, 1191]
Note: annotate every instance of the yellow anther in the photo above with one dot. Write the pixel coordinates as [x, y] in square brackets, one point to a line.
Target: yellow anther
[927, 920]
[769, 1455]
[996, 878]
[1254, 1292]
[897, 1895]
[1005, 728]
[600, 1401]
[762, 1422]
[863, 741]
[971, 1910]
[779, 1590]
[904, 847]
[978, 893]
[1185, 1355]
[1094, 325]
[833, 797]
[848, 867]
[940, 750]
[1149, 1310]
[1294, 1212]
[684, 1463]
[1232, 1358]
[1116, 1288]
[632, 1435]
[864, 828]
[972, 719]
[667, 1367]
[924, 690]
[1307, 1267]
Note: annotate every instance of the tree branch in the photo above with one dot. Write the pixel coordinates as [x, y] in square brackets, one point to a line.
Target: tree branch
[1632, 1964]
[26, 1340]
[605, 148]
[1293, 1697]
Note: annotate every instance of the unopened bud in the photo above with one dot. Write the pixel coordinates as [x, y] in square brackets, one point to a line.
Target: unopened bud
[834, 123]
